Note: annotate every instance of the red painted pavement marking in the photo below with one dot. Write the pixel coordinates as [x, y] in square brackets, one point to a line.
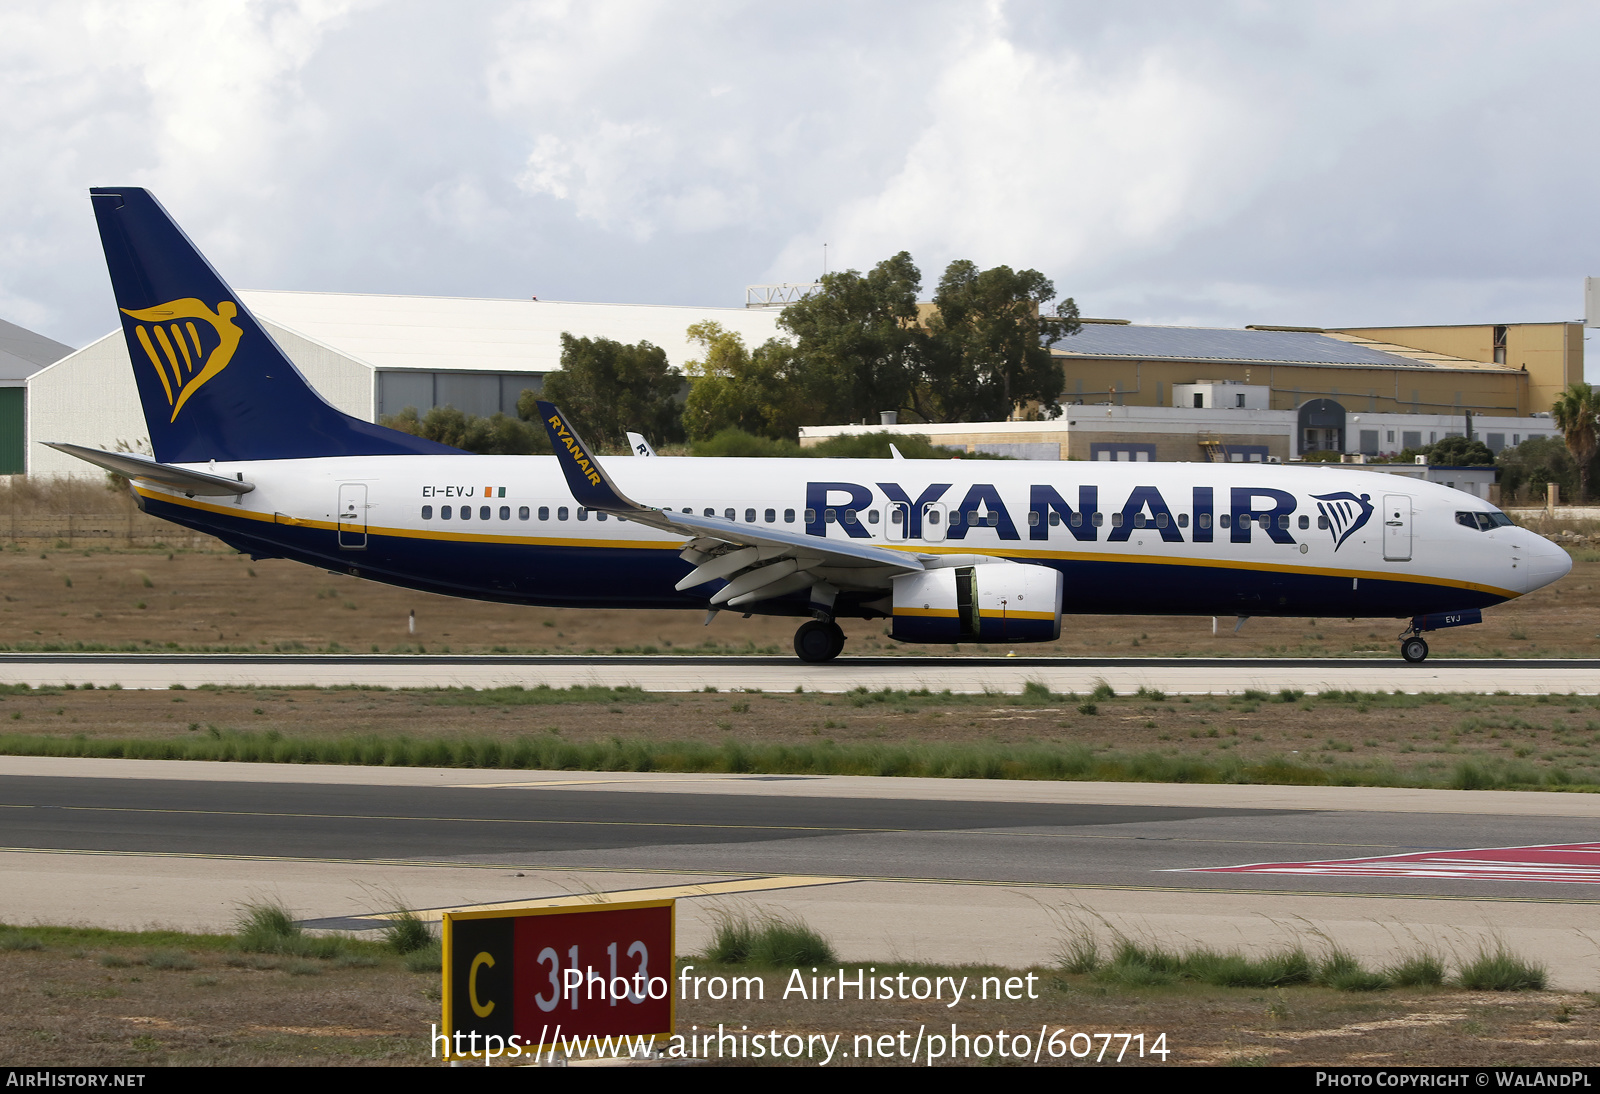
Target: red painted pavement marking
[1576, 862]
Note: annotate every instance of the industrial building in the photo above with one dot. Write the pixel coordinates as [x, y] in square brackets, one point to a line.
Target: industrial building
[22, 353]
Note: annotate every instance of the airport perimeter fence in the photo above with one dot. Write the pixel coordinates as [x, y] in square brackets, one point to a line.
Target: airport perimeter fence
[71, 530]
[85, 515]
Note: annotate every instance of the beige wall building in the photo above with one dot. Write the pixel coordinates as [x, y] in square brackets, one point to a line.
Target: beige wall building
[1509, 370]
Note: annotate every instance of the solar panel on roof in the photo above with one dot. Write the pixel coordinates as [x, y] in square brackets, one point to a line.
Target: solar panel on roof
[1210, 343]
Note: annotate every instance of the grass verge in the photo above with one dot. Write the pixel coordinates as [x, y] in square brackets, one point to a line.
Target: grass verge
[1072, 762]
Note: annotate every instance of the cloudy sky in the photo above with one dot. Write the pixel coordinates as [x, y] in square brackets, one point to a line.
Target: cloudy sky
[1186, 162]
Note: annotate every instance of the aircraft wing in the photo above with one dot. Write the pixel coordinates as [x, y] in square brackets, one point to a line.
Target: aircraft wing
[759, 562]
[144, 469]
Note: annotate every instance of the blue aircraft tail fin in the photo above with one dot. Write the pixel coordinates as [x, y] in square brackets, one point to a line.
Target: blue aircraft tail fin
[214, 384]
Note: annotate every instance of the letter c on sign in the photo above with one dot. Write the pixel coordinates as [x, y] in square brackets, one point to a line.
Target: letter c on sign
[482, 1010]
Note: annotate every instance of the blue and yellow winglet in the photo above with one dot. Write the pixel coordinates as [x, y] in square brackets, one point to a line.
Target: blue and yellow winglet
[591, 487]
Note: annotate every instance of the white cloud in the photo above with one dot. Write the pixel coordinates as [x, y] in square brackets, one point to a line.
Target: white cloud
[1227, 162]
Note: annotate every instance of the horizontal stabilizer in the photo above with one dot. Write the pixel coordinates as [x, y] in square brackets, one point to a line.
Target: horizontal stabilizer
[144, 469]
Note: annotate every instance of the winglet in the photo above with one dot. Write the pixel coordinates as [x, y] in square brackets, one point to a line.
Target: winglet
[591, 487]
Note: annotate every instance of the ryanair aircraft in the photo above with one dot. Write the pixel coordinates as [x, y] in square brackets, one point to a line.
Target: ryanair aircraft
[957, 551]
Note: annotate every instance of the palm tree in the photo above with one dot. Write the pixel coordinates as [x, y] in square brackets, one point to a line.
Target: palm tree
[1576, 411]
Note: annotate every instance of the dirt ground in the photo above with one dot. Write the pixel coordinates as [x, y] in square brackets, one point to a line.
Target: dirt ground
[98, 598]
[97, 999]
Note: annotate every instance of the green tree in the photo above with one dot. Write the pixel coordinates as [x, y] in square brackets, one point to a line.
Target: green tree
[758, 392]
[1576, 411]
[609, 388]
[859, 348]
[991, 338]
[1459, 452]
[496, 435]
[1534, 463]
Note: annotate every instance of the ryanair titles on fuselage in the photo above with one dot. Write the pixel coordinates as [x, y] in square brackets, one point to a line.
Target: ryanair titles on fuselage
[1240, 512]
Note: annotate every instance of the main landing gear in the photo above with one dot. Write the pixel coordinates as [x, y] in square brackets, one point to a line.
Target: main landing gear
[817, 641]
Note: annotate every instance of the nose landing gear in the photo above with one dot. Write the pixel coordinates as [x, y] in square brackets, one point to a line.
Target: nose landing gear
[1414, 649]
[817, 641]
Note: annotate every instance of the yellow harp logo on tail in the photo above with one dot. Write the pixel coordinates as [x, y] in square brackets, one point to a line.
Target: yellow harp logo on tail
[185, 353]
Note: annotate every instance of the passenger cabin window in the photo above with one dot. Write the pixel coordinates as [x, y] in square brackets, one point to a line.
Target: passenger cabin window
[872, 516]
[788, 516]
[522, 513]
[1305, 522]
[544, 512]
[444, 512]
[483, 512]
[561, 514]
[1116, 520]
[427, 512]
[505, 512]
[1183, 520]
[749, 516]
[466, 512]
[811, 516]
[771, 515]
[727, 514]
[583, 514]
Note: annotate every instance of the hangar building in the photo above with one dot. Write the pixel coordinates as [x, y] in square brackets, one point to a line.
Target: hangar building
[370, 356]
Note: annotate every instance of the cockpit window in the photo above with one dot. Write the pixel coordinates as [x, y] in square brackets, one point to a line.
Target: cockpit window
[1483, 522]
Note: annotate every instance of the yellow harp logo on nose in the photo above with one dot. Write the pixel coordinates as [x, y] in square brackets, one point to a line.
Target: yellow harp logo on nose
[189, 354]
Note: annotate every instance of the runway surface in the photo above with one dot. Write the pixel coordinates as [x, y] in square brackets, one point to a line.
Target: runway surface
[915, 868]
[1175, 676]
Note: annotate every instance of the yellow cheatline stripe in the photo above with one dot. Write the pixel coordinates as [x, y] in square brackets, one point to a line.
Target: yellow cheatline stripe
[619, 896]
[1009, 552]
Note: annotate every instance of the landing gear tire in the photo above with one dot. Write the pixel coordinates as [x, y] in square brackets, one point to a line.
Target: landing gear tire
[817, 641]
[1414, 650]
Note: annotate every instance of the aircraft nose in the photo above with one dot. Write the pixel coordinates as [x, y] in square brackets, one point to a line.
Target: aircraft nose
[1547, 562]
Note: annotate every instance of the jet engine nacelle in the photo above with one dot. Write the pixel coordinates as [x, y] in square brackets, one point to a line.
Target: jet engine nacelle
[993, 602]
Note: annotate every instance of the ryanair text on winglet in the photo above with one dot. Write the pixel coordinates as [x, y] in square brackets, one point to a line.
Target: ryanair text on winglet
[573, 447]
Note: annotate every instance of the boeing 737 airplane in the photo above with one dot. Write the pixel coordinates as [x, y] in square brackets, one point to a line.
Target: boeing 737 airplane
[946, 551]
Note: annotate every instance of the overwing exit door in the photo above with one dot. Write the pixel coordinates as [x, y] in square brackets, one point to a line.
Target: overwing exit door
[1396, 528]
[352, 516]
